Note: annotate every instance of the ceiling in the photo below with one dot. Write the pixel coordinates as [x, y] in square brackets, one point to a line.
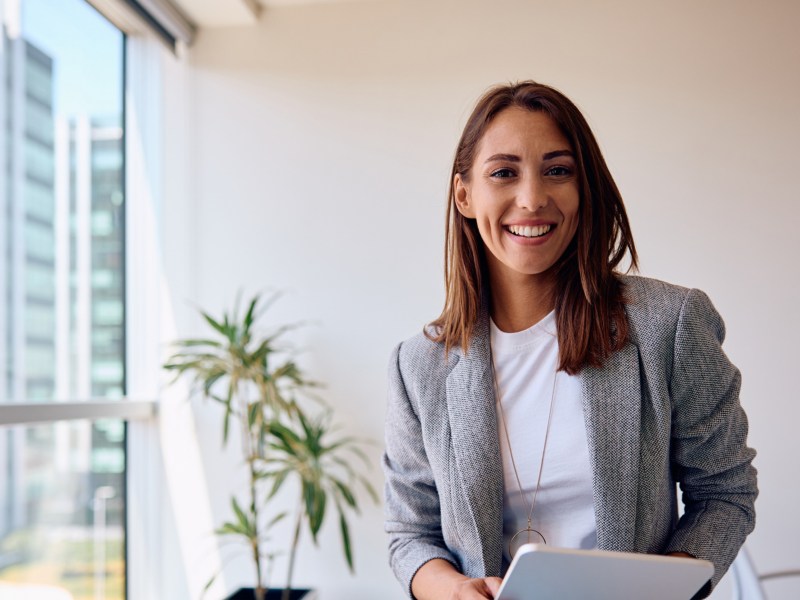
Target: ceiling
[225, 13]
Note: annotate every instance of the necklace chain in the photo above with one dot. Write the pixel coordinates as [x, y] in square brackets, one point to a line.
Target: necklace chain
[529, 529]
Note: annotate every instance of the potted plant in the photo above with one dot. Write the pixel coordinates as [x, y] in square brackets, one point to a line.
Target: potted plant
[262, 391]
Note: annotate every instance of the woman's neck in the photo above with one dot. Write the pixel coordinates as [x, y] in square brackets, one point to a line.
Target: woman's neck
[520, 301]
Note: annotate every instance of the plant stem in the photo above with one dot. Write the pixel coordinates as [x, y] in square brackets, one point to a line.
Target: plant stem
[248, 444]
[256, 549]
[247, 438]
[288, 589]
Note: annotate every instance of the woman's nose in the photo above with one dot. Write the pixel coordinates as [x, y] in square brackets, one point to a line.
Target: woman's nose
[532, 195]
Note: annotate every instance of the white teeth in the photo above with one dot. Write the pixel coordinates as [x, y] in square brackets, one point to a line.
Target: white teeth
[529, 232]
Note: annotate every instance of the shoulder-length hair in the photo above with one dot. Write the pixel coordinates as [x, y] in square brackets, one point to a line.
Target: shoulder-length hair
[589, 296]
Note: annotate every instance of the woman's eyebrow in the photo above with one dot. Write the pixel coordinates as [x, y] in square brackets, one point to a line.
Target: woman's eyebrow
[504, 158]
[556, 154]
[515, 158]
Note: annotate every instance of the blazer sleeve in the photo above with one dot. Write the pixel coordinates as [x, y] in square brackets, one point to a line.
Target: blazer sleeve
[710, 457]
[412, 502]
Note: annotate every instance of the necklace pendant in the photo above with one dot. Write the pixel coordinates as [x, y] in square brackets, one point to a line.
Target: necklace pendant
[532, 536]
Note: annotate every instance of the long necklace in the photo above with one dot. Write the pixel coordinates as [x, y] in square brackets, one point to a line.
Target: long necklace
[528, 530]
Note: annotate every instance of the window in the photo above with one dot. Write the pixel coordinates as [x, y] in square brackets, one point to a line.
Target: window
[62, 314]
[63, 512]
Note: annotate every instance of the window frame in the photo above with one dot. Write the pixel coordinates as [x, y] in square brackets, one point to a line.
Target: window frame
[37, 413]
[142, 55]
[143, 344]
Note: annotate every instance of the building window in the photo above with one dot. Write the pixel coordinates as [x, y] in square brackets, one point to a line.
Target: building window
[62, 311]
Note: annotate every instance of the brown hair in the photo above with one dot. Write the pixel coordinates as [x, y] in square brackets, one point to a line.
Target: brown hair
[589, 299]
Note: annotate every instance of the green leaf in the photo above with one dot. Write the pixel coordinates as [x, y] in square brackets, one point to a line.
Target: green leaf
[308, 499]
[275, 519]
[260, 354]
[244, 521]
[232, 529]
[248, 318]
[219, 399]
[226, 423]
[315, 500]
[216, 325]
[370, 490]
[288, 438]
[339, 443]
[280, 477]
[191, 343]
[209, 381]
[281, 330]
[346, 493]
[236, 303]
[208, 584]
[348, 551]
[345, 465]
[321, 498]
[253, 413]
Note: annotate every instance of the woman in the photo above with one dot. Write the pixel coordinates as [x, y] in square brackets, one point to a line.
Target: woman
[556, 400]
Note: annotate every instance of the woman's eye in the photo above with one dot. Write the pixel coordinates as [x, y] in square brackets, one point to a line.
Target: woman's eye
[559, 171]
[503, 173]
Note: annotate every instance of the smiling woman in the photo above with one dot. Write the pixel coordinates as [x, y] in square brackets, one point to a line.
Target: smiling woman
[562, 160]
[555, 399]
[524, 198]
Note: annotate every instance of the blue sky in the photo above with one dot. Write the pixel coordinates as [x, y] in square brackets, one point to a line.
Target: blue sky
[87, 53]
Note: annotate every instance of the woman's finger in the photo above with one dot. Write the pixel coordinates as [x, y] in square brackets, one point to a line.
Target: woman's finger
[474, 589]
[493, 584]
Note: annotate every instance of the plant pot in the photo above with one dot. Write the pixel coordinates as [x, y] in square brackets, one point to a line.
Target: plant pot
[273, 594]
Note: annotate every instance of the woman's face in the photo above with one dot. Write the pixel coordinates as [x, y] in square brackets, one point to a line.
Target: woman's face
[522, 192]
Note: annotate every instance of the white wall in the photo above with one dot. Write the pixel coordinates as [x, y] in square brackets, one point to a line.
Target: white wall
[317, 149]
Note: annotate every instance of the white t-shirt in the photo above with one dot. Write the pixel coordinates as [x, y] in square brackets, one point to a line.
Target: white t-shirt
[526, 364]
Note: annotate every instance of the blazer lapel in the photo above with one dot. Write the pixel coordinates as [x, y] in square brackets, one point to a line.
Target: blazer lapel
[473, 424]
[612, 410]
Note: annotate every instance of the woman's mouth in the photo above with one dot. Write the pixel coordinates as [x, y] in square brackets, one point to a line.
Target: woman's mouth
[528, 231]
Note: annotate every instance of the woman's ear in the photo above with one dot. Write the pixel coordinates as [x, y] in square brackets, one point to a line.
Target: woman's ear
[462, 197]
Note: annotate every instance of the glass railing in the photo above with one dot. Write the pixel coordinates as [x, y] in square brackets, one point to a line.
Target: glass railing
[62, 511]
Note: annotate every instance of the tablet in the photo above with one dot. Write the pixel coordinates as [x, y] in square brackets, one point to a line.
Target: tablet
[540, 572]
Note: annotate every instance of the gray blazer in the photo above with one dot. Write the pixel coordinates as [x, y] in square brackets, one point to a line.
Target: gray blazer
[663, 409]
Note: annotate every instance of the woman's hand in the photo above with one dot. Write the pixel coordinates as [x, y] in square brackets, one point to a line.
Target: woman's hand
[439, 580]
[470, 589]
